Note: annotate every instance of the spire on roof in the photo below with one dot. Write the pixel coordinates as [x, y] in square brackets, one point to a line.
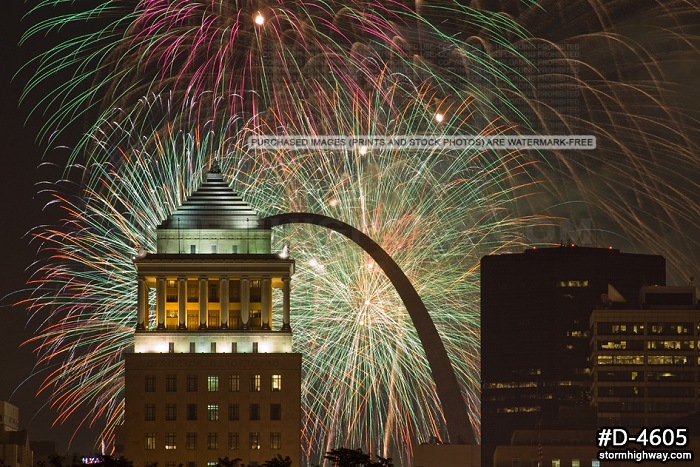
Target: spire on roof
[215, 169]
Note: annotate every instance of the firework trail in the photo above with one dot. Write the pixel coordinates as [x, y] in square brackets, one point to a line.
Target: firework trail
[348, 321]
[619, 70]
[174, 83]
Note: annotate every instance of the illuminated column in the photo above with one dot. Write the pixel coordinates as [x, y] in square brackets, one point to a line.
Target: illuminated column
[202, 303]
[245, 300]
[181, 302]
[142, 304]
[160, 302]
[224, 302]
[266, 300]
[285, 303]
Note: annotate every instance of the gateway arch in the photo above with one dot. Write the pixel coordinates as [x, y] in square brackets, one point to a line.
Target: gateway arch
[459, 426]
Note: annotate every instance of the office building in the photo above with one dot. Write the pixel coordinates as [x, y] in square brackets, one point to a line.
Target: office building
[212, 373]
[15, 450]
[645, 361]
[535, 340]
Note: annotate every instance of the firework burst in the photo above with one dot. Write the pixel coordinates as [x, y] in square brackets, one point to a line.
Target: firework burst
[176, 83]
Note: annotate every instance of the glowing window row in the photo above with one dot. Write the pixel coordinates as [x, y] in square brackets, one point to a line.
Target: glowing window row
[511, 385]
[670, 329]
[213, 291]
[191, 438]
[650, 345]
[234, 383]
[640, 359]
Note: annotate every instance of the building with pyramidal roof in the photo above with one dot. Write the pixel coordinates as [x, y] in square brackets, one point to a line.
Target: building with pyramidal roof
[212, 373]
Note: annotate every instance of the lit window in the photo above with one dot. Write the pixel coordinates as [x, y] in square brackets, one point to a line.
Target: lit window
[575, 463]
[682, 328]
[213, 321]
[605, 359]
[572, 283]
[276, 383]
[628, 360]
[234, 383]
[528, 409]
[556, 462]
[150, 412]
[660, 360]
[171, 294]
[212, 383]
[149, 441]
[213, 412]
[616, 345]
[666, 345]
[255, 383]
[170, 441]
[620, 328]
[254, 440]
[192, 292]
[275, 440]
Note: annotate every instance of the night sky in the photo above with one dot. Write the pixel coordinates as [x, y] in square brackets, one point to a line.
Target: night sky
[21, 211]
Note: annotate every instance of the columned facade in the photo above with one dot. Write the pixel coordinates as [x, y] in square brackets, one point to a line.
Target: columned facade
[216, 307]
[212, 374]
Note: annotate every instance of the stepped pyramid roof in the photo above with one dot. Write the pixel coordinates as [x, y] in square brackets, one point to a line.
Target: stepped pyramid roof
[214, 205]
